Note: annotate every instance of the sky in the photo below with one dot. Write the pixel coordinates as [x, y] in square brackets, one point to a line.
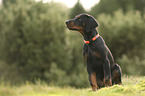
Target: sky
[0, 2]
[87, 4]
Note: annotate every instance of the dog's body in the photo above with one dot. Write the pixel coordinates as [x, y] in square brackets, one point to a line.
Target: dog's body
[99, 60]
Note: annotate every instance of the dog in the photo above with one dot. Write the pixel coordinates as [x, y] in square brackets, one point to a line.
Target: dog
[98, 58]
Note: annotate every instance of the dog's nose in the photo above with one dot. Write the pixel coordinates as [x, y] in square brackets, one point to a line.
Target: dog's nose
[67, 22]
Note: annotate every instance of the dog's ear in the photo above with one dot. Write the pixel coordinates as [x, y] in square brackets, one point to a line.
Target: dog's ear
[90, 23]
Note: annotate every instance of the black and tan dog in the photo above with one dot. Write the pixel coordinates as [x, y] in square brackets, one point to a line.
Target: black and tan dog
[100, 63]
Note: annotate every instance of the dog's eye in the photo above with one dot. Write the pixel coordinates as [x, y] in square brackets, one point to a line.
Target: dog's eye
[79, 19]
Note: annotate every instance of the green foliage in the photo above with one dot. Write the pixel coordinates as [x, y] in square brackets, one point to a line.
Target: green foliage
[132, 66]
[105, 6]
[35, 45]
[123, 33]
[5, 2]
[132, 5]
[77, 9]
[110, 6]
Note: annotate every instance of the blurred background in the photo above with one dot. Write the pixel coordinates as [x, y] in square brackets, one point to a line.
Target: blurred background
[36, 45]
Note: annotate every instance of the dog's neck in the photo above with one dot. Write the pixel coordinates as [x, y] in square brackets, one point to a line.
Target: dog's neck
[90, 35]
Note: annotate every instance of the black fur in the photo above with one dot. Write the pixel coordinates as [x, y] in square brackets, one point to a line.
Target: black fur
[99, 60]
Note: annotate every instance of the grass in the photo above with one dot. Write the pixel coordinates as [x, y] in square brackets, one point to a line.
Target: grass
[132, 86]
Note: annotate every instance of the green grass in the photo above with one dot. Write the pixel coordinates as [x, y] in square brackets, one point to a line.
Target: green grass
[132, 86]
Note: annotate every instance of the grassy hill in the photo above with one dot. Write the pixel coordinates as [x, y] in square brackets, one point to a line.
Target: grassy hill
[132, 86]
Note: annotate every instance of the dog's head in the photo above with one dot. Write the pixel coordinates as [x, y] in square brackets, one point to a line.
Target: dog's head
[82, 23]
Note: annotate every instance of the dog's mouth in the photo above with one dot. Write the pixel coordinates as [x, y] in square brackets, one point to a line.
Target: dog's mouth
[71, 27]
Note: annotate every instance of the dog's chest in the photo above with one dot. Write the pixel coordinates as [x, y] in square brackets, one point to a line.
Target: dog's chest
[91, 55]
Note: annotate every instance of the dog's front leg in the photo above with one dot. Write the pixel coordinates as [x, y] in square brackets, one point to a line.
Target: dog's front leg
[94, 81]
[92, 78]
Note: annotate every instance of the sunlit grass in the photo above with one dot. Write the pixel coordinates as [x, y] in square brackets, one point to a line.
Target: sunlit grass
[132, 86]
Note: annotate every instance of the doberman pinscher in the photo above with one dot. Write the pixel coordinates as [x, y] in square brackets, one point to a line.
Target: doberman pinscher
[99, 60]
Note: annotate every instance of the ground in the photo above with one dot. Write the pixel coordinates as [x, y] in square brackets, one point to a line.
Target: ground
[132, 86]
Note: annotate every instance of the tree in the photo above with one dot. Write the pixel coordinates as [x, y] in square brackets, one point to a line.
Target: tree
[34, 36]
[105, 6]
[36, 45]
[121, 29]
[110, 6]
[132, 5]
[124, 34]
[9, 1]
[77, 9]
